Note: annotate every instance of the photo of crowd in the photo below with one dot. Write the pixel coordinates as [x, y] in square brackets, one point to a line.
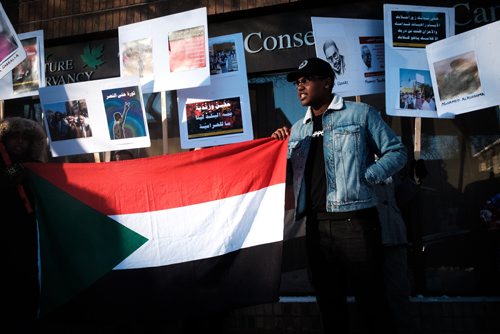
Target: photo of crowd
[223, 58]
[68, 120]
[416, 90]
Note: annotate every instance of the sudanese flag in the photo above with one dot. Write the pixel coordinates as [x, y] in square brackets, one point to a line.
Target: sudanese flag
[192, 232]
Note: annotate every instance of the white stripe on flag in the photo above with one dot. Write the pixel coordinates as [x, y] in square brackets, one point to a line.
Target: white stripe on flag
[206, 230]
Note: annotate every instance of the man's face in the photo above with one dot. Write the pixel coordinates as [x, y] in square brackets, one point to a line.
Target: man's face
[310, 90]
[367, 57]
[333, 57]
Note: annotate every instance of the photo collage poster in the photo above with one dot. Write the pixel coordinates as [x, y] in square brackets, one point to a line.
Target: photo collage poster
[465, 68]
[355, 50]
[29, 75]
[11, 49]
[219, 113]
[86, 117]
[166, 53]
[407, 32]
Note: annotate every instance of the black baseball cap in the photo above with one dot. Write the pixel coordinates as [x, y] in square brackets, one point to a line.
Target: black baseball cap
[311, 66]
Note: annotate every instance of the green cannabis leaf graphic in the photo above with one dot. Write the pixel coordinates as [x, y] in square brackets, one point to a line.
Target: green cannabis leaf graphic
[91, 56]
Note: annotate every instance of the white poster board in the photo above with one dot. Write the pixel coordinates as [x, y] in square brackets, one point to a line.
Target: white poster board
[167, 53]
[11, 50]
[355, 50]
[466, 70]
[219, 113]
[95, 116]
[407, 31]
[29, 75]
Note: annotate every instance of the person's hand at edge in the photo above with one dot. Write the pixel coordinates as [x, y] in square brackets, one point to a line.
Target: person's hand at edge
[281, 133]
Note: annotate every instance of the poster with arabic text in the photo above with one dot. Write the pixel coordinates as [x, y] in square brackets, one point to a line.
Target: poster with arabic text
[166, 53]
[219, 113]
[95, 116]
[407, 31]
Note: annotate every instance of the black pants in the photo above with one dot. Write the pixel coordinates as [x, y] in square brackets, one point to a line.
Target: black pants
[345, 258]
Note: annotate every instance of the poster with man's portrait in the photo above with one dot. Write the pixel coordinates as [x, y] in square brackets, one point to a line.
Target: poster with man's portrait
[95, 116]
[11, 50]
[29, 75]
[407, 31]
[219, 113]
[354, 48]
[167, 53]
[466, 70]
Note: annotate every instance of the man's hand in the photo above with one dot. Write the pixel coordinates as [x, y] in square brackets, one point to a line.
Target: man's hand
[281, 133]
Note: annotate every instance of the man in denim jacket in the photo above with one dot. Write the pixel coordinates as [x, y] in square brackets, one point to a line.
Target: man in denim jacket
[331, 152]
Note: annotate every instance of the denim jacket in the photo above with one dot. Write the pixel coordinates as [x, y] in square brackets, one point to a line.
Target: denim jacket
[353, 134]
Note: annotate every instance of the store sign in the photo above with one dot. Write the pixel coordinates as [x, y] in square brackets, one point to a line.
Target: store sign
[472, 16]
[256, 42]
[80, 62]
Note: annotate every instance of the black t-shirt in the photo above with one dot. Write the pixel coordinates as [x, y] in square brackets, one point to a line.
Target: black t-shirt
[315, 175]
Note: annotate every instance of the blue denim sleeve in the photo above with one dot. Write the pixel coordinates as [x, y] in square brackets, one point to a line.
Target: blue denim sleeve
[390, 150]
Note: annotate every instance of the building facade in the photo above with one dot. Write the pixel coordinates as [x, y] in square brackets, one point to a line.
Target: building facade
[452, 252]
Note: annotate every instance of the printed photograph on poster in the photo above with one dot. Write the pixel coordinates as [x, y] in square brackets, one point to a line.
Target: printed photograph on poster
[124, 113]
[457, 76]
[416, 91]
[137, 58]
[68, 120]
[25, 75]
[416, 29]
[95, 116]
[220, 113]
[25, 79]
[354, 48]
[187, 49]
[408, 30]
[335, 56]
[11, 50]
[466, 70]
[214, 118]
[371, 49]
[223, 58]
[167, 53]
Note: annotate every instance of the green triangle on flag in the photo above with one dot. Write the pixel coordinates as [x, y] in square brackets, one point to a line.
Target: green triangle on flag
[78, 245]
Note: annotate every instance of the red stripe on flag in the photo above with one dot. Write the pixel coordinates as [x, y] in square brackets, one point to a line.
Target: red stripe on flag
[171, 181]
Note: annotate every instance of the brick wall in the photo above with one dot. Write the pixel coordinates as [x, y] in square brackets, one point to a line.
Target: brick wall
[63, 18]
